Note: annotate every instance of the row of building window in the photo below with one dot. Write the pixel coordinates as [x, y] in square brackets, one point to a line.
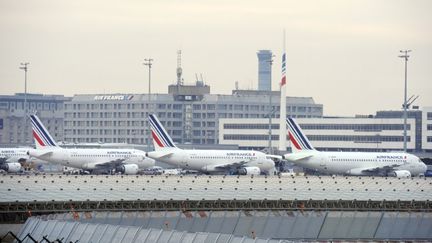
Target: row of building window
[250, 126]
[30, 105]
[69, 124]
[120, 106]
[164, 115]
[239, 107]
[358, 139]
[132, 132]
[354, 127]
[347, 138]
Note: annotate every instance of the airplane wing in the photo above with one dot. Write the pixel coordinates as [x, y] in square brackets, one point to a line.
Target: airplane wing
[386, 168]
[110, 164]
[378, 169]
[235, 165]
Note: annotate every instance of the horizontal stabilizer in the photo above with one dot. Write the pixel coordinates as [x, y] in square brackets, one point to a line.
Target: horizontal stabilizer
[166, 153]
[297, 156]
[271, 156]
[43, 154]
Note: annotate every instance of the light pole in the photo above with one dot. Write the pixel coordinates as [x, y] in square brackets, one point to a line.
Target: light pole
[24, 66]
[148, 62]
[270, 107]
[405, 115]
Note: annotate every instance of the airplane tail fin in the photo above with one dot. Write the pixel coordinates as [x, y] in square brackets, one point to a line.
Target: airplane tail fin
[41, 135]
[161, 139]
[299, 141]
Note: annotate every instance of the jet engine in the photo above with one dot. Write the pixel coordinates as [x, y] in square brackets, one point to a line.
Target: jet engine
[11, 167]
[401, 173]
[253, 170]
[128, 169]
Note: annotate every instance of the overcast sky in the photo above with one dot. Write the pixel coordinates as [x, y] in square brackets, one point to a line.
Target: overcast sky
[341, 53]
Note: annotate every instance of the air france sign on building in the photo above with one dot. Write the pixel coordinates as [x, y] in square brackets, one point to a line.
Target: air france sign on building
[113, 97]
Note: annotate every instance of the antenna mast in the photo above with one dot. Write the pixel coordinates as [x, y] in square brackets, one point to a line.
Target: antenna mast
[179, 69]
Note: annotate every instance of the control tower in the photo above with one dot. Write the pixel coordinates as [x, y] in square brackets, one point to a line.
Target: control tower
[264, 70]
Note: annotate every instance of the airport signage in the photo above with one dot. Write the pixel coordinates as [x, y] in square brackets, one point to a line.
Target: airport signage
[113, 97]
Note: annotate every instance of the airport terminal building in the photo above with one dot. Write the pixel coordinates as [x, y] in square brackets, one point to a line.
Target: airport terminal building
[380, 132]
[194, 117]
[15, 127]
[190, 114]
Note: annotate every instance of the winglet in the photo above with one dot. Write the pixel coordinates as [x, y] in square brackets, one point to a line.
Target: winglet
[40, 134]
[161, 139]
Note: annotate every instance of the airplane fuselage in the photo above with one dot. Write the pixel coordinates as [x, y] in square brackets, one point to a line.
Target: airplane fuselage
[90, 158]
[14, 155]
[208, 160]
[352, 163]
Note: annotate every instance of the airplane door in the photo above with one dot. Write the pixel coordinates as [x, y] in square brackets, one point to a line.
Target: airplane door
[184, 161]
[65, 158]
[323, 163]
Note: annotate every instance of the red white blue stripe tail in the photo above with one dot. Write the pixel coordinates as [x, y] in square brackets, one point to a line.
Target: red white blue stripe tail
[161, 139]
[40, 134]
[299, 141]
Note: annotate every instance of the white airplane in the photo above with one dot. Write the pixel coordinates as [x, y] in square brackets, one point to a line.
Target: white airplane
[207, 161]
[397, 164]
[11, 159]
[127, 161]
[15, 160]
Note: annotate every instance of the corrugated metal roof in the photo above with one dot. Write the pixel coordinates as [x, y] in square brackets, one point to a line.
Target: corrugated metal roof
[86, 232]
[230, 226]
[115, 188]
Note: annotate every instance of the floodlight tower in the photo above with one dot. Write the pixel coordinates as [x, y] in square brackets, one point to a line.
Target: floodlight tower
[148, 62]
[271, 111]
[24, 66]
[405, 115]
[179, 69]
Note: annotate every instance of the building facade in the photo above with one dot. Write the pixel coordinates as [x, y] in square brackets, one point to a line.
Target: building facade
[15, 127]
[190, 114]
[381, 132]
[427, 129]
[264, 70]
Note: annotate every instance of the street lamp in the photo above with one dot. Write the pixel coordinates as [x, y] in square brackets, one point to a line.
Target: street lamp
[405, 115]
[148, 62]
[24, 66]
